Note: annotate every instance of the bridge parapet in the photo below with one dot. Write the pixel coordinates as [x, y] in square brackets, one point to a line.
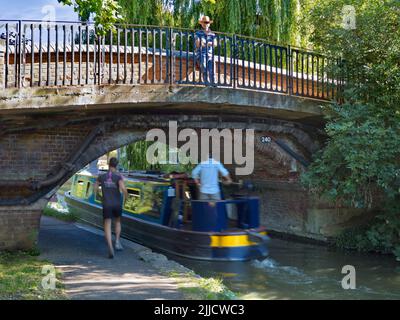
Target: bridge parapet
[63, 54]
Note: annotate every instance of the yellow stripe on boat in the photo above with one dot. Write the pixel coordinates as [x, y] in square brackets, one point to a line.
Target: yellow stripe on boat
[233, 240]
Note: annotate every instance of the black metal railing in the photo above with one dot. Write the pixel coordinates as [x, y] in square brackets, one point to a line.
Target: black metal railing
[37, 53]
[262, 66]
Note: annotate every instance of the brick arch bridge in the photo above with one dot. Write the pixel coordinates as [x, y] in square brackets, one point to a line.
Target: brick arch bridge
[63, 105]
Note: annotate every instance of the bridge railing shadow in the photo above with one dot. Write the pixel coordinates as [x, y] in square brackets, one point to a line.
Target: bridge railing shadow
[41, 54]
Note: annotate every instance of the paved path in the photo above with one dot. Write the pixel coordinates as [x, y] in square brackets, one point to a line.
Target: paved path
[88, 274]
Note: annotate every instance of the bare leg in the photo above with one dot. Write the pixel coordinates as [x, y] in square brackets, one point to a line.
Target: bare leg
[117, 222]
[107, 233]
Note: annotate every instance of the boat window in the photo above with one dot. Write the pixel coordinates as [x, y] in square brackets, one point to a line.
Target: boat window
[134, 192]
[153, 197]
[80, 189]
[87, 193]
[146, 201]
[99, 195]
[132, 204]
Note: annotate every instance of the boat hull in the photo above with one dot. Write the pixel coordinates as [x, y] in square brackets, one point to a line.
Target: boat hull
[216, 246]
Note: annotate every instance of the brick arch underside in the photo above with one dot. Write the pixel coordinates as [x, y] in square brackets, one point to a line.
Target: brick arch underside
[40, 154]
[271, 161]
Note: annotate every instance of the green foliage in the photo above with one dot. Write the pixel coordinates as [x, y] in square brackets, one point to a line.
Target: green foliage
[134, 158]
[355, 239]
[34, 251]
[362, 154]
[64, 216]
[21, 277]
[360, 163]
[198, 288]
[276, 20]
[105, 12]
[361, 157]
[150, 12]
[380, 235]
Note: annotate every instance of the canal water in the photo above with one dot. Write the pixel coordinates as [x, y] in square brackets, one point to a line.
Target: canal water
[305, 271]
[295, 270]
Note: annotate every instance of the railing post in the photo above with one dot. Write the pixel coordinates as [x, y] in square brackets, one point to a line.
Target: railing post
[2, 64]
[18, 52]
[234, 53]
[171, 56]
[97, 48]
[103, 58]
[289, 71]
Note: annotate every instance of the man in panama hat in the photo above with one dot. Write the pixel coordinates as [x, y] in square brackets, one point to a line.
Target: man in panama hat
[205, 43]
[205, 20]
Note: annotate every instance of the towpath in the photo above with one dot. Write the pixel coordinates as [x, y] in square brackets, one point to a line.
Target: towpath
[81, 256]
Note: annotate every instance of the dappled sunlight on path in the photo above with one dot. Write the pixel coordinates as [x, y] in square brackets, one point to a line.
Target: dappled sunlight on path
[81, 256]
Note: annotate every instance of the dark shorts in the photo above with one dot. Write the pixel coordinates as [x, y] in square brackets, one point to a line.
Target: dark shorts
[110, 212]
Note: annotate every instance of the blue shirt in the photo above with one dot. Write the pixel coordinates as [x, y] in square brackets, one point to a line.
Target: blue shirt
[207, 37]
[207, 171]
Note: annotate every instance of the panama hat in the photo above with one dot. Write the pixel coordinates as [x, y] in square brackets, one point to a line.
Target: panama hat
[205, 19]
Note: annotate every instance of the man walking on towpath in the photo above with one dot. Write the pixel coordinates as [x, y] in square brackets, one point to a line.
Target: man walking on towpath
[206, 175]
[112, 185]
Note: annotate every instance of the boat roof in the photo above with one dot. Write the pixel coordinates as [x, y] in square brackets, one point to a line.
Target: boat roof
[134, 176]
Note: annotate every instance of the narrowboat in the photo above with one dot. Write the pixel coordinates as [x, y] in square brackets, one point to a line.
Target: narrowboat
[162, 212]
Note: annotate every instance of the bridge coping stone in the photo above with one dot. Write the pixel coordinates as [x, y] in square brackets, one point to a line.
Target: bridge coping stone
[224, 101]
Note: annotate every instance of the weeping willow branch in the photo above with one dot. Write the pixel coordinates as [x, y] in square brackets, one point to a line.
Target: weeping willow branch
[271, 19]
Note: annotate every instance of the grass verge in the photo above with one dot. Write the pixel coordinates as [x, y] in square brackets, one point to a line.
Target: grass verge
[21, 278]
[65, 216]
[195, 287]
[192, 286]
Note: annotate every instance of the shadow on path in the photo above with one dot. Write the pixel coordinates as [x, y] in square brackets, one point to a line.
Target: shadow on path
[87, 272]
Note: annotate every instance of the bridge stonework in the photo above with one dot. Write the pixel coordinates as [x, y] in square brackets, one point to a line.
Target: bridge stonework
[19, 225]
[33, 156]
[63, 106]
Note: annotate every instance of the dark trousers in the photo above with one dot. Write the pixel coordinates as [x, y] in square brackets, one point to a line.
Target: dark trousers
[206, 68]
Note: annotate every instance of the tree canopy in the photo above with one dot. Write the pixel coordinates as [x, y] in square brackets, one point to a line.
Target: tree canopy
[105, 12]
[360, 164]
[272, 19]
[276, 20]
[362, 155]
